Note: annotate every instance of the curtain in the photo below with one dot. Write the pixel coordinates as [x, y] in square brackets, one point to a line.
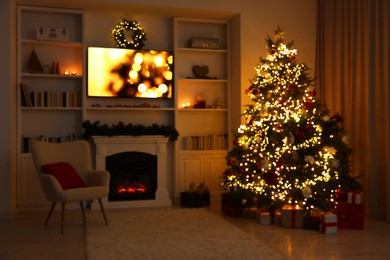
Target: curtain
[352, 78]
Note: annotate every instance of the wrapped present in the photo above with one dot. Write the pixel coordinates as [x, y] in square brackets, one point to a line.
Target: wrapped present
[355, 197]
[265, 218]
[328, 223]
[229, 207]
[311, 222]
[277, 218]
[292, 216]
[249, 213]
[350, 216]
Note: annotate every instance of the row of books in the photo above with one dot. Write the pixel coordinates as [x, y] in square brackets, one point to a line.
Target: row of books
[206, 142]
[50, 98]
[27, 141]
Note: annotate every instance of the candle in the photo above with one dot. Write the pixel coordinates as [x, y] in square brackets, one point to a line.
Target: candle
[73, 73]
[186, 105]
[66, 72]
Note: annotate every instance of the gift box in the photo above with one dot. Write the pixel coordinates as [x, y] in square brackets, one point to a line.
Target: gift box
[355, 197]
[249, 213]
[292, 216]
[230, 207]
[266, 218]
[276, 218]
[350, 216]
[328, 223]
[311, 222]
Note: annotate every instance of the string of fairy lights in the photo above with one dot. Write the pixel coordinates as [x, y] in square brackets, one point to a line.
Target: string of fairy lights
[283, 101]
[129, 35]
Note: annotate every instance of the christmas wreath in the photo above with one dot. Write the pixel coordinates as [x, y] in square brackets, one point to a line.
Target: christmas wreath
[137, 35]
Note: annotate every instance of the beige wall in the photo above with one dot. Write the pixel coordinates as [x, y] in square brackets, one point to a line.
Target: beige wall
[254, 20]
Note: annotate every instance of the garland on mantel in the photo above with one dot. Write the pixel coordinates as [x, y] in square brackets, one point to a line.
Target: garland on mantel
[91, 129]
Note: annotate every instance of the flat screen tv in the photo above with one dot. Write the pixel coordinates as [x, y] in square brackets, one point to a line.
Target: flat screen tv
[128, 73]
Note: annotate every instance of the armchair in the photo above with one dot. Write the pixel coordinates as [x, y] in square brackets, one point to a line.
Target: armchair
[65, 174]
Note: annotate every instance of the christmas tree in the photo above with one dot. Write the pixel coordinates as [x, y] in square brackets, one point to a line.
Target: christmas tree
[291, 150]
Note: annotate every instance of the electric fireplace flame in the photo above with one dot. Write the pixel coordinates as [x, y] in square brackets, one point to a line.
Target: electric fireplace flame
[131, 188]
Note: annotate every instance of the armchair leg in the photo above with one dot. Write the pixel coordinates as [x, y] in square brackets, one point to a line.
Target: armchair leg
[53, 205]
[62, 217]
[82, 210]
[103, 212]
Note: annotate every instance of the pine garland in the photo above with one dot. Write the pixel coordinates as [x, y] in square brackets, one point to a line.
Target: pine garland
[91, 129]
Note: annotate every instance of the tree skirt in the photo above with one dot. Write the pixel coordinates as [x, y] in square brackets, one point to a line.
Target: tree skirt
[169, 233]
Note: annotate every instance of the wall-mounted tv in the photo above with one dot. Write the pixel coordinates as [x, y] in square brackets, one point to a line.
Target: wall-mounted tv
[128, 73]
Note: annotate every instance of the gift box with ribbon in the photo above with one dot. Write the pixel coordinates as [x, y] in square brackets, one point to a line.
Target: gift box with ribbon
[350, 216]
[328, 223]
[355, 197]
[292, 216]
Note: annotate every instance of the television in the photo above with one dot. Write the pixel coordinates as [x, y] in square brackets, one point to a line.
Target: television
[128, 73]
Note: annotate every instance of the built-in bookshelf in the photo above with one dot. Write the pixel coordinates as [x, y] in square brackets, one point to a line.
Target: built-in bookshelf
[202, 90]
[50, 81]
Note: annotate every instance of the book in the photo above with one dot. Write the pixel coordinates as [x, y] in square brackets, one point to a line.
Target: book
[26, 101]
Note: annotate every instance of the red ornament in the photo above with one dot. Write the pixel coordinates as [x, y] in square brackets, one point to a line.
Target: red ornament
[235, 142]
[309, 105]
[309, 128]
[291, 87]
[230, 162]
[271, 178]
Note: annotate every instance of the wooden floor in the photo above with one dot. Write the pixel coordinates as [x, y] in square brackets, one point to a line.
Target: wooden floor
[25, 237]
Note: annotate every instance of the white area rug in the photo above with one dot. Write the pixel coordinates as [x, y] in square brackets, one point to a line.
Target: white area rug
[169, 233]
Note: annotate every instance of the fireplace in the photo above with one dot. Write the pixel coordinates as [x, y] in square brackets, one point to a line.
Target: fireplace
[133, 176]
[138, 169]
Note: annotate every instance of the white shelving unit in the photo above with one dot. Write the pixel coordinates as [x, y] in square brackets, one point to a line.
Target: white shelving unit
[55, 93]
[199, 153]
[203, 140]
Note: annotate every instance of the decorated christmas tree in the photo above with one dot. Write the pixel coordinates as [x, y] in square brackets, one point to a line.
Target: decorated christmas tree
[291, 150]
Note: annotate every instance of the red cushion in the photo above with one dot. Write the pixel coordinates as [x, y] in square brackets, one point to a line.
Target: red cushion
[65, 174]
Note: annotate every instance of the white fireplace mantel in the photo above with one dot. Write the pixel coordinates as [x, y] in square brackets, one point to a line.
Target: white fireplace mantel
[151, 144]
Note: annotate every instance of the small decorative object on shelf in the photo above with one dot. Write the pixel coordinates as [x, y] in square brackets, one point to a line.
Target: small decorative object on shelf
[136, 33]
[34, 65]
[200, 101]
[200, 72]
[52, 34]
[203, 43]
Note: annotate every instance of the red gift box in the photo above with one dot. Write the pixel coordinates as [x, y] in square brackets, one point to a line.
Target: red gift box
[350, 216]
[292, 216]
[355, 197]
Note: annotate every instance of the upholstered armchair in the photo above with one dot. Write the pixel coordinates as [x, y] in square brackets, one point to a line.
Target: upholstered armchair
[66, 175]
